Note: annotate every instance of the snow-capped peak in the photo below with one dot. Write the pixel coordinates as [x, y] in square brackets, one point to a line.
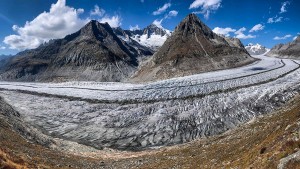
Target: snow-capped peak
[256, 49]
[152, 37]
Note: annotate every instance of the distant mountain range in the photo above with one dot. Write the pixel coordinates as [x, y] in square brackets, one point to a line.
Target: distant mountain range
[152, 36]
[98, 52]
[289, 50]
[256, 49]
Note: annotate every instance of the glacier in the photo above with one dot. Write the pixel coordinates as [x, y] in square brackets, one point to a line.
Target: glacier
[130, 116]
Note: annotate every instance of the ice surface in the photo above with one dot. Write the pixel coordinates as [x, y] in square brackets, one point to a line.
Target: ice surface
[159, 113]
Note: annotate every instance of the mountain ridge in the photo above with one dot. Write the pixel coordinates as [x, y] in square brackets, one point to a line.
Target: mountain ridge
[288, 50]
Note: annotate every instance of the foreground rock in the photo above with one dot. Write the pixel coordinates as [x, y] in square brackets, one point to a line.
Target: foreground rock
[193, 48]
[92, 53]
[289, 50]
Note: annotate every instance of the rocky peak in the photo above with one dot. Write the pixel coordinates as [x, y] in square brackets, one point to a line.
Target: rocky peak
[95, 30]
[192, 23]
[193, 48]
[154, 29]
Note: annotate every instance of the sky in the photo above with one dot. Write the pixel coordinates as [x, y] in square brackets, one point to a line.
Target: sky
[28, 24]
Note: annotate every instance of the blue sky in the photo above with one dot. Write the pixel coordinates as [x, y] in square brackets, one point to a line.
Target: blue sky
[27, 24]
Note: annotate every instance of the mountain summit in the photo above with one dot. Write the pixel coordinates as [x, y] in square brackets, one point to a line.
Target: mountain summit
[92, 53]
[193, 48]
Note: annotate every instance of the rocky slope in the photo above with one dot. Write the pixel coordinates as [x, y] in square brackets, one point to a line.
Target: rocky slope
[193, 48]
[256, 49]
[92, 53]
[289, 50]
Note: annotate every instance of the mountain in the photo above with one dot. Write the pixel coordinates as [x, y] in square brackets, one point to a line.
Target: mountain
[92, 53]
[4, 59]
[4, 56]
[151, 37]
[289, 50]
[256, 49]
[193, 48]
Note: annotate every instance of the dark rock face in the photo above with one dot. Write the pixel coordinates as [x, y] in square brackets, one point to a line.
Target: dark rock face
[193, 48]
[92, 53]
[289, 50]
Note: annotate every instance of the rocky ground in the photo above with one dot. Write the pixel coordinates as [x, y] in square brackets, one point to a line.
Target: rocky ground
[264, 142]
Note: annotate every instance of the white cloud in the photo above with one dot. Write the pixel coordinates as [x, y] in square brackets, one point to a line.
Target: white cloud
[162, 9]
[172, 13]
[283, 7]
[114, 21]
[133, 28]
[275, 19]
[58, 22]
[240, 34]
[97, 11]
[2, 47]
[283, 37]
[207, 6]
[158, 23]
[257, 27]
[223, 31]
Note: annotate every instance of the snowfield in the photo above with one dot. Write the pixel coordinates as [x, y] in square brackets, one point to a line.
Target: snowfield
[137, 116]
